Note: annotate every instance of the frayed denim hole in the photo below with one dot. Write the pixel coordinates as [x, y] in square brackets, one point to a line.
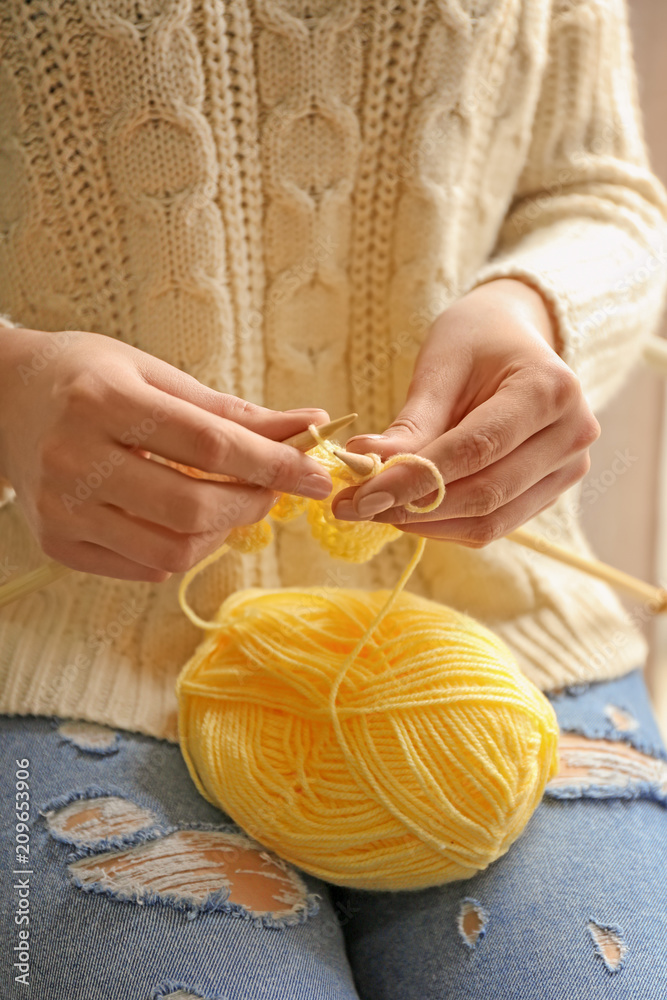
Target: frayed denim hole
[621, 718]
[89, 737]
[609, 944]
[200, 871]
[170, 989]
[606, 769]
[97, 820]
[472, 921]
[95, 792]
[110, 844]
[605, 713]
[605, 730]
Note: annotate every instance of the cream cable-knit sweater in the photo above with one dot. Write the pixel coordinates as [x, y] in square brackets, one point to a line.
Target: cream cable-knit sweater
[279, 197]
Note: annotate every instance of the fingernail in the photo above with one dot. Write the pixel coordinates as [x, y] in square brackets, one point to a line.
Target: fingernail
[374, 503]
[315, 486]
[345, 511]
[369, 437]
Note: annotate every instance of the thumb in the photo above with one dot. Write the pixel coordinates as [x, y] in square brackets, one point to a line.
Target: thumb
[440, 375]
[419, 422]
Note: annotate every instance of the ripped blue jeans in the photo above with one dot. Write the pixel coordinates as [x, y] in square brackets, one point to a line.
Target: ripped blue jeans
[121, 881]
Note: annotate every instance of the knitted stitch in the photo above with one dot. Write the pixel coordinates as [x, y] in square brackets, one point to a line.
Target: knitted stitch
[279, 197]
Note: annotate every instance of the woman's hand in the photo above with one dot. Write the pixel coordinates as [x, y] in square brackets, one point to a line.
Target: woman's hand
[79, 415]
[496, 409]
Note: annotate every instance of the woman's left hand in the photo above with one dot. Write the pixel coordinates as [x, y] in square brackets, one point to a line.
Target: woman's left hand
[496, 409]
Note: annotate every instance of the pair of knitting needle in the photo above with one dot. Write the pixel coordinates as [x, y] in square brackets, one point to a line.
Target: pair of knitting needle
[654, 597]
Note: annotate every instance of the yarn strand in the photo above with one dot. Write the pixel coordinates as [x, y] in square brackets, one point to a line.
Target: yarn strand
[326, 451]
[187, 580]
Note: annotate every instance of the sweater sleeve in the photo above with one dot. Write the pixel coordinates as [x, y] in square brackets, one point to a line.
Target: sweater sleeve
[588, 223]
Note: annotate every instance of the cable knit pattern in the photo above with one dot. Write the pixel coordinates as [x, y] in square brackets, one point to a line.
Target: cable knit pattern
[279, 197]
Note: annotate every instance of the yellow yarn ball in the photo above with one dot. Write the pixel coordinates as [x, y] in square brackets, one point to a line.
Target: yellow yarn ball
[415, 761]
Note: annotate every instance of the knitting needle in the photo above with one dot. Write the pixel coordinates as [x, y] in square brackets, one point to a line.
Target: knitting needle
[655, 355]
[304, 441]
[361, 464]
[32, 581]
[656, 597]
[51, 571]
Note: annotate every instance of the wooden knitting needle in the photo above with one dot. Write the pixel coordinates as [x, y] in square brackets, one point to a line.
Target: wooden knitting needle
[51, 571]
[360, 464]
[656, 597]
[304, 440]
[30, 582]
[655, 355]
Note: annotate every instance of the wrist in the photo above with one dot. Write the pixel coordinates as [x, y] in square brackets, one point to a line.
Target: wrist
[19, 349]
[532, 303]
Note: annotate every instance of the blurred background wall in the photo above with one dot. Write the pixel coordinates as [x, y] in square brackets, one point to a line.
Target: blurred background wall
[626, 521]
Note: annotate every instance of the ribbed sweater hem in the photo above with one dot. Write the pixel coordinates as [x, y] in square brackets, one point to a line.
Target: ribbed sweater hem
[39, 676]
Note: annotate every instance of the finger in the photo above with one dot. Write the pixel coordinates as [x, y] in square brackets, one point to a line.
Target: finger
[163, 496]
[520, 408]
[494, 487]
[476, 532]
[182, 432]
[147, 544]
[414, 428]
[89, 557]
[277, 424]
[438, 388]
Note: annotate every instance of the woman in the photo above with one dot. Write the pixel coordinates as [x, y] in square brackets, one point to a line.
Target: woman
[437, 214]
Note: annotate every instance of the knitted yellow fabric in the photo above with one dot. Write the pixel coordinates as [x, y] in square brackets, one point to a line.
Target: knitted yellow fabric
[374, 739]
[355, 541]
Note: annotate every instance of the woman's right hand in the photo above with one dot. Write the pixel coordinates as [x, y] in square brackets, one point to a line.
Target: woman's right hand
[79, 414]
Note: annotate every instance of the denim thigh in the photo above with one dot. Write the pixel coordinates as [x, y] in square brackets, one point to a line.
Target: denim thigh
[577, 908]
[122, 881]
